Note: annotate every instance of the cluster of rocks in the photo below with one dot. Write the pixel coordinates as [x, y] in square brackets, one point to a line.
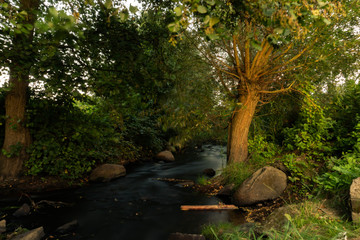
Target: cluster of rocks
[33, 234]
[108, 172]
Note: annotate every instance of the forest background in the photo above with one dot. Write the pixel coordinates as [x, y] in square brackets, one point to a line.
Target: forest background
[116, 84]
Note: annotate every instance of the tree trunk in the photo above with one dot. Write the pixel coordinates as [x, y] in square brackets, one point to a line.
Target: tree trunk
[17, 136]
[239, 128]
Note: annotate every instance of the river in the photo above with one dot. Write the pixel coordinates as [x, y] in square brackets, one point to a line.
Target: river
[138, 206]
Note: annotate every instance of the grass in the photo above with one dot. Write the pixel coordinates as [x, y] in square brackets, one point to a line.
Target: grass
[308, 220]
[203, 180]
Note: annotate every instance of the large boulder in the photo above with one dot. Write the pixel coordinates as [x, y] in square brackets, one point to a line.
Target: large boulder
[107, 172]
[265, 184]
[355, 200]
[165, 156]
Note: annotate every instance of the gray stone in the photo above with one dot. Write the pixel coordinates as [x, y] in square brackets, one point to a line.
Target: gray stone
[165, 156]
[35, 234]
[184, 236]
[2, 226]
[107, 172]
[355, 200]
[227, 191]
[68, 227]
[24, 210]
[209, 172]
[265, 184]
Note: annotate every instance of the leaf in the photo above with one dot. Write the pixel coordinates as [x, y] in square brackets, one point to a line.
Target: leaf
[201, 9]
[53, 11]
[279, 30]
[174, 27]
[178, 11]
[326, 21]
[213, 36]
[133, 9]
[269, 12]
[256, 45]
[108, 4]
[213, 21]
[321, 3]
[211, 2]
[207, 19]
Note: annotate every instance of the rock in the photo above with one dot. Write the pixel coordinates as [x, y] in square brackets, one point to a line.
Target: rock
[107, 172]
[24, 210]
[35, 234]
[166, 156]
[184, 236]
[226, 191]
[209, 172]
[67, 227]
[265, 184]
[355, 200]
[2, 226]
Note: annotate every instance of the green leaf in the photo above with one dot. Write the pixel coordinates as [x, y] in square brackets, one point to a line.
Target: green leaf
[326, 21]
[133, 9]
[269, 12]
[211, 2]
[178, 11]
[202, 9]
[24, 13]
[321, 3]
[256, 45]
[108, 4]
[206, 19]
[279, 30]
[213, 36]
[174, 27]
[53, 11]
[213, 21]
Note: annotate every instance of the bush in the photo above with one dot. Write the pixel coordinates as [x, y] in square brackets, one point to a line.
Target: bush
[339, 174]
[68, 142]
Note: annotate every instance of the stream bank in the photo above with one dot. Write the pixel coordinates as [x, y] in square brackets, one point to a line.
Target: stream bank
[137, 206]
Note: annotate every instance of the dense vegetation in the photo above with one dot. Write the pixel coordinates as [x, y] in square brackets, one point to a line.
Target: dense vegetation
[95, 82]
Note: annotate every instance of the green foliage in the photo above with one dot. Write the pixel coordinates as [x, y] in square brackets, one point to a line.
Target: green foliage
[68, 142]
[344, 107]
[237, 173]
[262, 151]
[228, 231]
[339, 173]
[302, 172]
[203, 180]
[303, 221]
[312, 132]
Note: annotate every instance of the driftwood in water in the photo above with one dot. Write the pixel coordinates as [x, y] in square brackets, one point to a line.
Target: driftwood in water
[208, 207]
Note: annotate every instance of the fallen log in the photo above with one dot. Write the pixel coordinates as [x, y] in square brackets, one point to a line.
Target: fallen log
[208, 207]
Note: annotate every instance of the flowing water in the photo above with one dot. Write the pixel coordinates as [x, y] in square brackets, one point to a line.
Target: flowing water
[138, 206]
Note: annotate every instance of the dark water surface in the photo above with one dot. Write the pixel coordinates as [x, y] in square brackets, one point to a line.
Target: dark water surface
[138, 206]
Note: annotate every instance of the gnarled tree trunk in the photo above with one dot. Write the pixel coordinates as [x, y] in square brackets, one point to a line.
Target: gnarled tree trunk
[239, 128]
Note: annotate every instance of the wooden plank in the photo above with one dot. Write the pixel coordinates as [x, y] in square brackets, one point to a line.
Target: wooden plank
[208, 207]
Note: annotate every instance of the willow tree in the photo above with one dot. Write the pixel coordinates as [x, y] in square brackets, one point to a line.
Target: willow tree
[253, 47]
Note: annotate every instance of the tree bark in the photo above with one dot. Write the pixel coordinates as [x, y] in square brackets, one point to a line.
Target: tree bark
[239, 127]
[17, 136]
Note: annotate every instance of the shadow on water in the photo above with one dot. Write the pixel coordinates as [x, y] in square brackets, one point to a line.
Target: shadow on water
[138, 206]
